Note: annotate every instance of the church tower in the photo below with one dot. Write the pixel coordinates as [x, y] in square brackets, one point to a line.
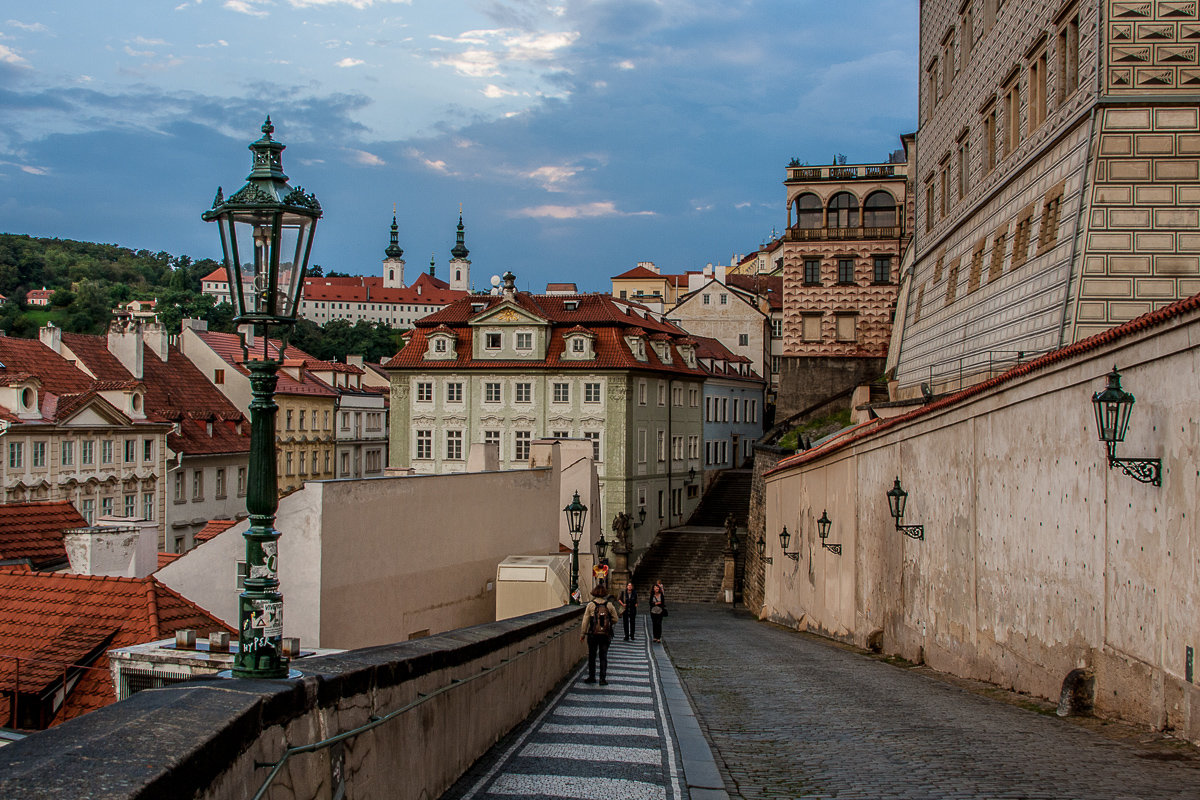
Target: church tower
[460, 265]
[393, 265]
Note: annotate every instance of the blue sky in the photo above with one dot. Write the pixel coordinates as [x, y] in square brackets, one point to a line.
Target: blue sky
[580, 137]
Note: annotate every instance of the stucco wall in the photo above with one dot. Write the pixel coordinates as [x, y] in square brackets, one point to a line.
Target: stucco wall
[1037, 558]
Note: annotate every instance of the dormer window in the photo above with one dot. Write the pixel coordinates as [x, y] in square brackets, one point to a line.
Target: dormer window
[491, 341]
[578, 345]
[524, 340]
[477, 307]
[28, 399]
[570, 305]
[439, 346]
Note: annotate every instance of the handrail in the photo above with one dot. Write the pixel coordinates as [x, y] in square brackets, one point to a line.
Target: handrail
[989, 365]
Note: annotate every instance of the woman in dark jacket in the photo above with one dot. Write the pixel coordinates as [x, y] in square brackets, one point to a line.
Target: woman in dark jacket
[629, 609]
[658, 610]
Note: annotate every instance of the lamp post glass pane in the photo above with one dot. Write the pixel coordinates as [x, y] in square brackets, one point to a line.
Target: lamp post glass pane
[1113, 408]
[271, 250]
[897, 498]
[576, 512]
[784, 538]
[823, 525]
[762, 546]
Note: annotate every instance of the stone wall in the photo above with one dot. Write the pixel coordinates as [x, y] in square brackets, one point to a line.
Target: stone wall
[806, 381]
[1038, 559]
[753, 566]
[418, 714]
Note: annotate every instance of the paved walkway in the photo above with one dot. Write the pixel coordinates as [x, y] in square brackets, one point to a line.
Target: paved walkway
[794, 716]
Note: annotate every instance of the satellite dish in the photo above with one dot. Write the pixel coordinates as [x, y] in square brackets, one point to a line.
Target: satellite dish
[496, 281]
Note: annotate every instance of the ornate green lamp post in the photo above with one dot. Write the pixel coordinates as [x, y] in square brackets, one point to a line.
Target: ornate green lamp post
[267, 230]
[576, 513]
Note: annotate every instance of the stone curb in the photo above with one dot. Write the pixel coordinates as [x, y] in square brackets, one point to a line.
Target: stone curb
[700, 772]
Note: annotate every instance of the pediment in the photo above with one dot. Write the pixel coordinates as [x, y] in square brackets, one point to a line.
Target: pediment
[424, 419]
[508, 313]
[95, 412]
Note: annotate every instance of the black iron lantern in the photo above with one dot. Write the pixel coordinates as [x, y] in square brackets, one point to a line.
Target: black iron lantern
[602, 547]
[823, 526]
[1113, 407]
[691, 474]
[762, 551]
[785, 538]
[267, 230]
[897, 500]
[642, 515]
[576, 513]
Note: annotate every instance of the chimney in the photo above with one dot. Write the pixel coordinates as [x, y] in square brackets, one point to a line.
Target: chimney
[125, 550]
[155, 335]
[51, 336]
[125, 342]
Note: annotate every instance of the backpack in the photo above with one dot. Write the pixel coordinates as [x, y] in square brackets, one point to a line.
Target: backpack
[602, 623]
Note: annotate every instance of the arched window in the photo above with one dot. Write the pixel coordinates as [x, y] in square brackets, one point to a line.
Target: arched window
[808, 211]
[879, 210]
[843, 211]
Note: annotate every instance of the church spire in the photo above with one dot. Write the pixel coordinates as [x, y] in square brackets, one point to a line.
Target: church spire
[460, 249]
[432, 267]
[393, 249]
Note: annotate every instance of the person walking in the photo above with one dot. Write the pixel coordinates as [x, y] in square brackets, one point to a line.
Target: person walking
[599, 619]
[658, 610]
[629, 604]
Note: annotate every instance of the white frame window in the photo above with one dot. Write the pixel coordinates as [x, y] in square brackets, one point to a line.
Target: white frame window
[424, 392]
[562, 392]
[424, 444]
[491, 392]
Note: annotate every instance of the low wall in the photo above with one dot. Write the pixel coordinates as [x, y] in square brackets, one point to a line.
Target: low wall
[1038, 559]
[416, 715]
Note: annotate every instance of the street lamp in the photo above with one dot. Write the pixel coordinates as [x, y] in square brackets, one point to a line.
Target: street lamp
[823, 525]
[641, 517]
[691, 475]
[602, 547]
[576, 513]
[784, 538]
[1113, 407]
[897, 499]
[762, 551]
[267, 230]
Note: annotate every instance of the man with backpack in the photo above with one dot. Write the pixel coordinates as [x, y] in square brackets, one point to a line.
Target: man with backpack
[599, 619]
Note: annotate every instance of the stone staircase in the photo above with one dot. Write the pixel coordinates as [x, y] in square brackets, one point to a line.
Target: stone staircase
[730, 492]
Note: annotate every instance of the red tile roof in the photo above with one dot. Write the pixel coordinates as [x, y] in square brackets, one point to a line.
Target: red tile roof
[214, 527]
[229, 347]
[639, 272]
[51, 622]
[770, 286]
[34, 531]
[166, 558]
[1153, 319]
[31, 357]
[721, 358]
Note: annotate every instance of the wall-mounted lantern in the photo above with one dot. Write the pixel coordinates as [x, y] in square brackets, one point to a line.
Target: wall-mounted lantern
[762, 551]
[602, 547]
[641, 517]
[897, 499]
[1113, 407]
[784, 539]
[823, 525]
[691, 475]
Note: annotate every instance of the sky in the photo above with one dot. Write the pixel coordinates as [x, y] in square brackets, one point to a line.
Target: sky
[579, 136]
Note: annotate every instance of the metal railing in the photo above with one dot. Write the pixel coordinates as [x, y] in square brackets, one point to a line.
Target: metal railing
[839, 172]
[10, 688]
[955, 374]
[798, 234]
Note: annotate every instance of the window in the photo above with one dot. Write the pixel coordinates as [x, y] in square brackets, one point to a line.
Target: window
[578, 345]
[16, 455]
[591, 393]
[661, 507]
[694, 398]
[523, 393]
[752, 415]
[975, 275]
[707, 299]
[845, 327]
[562, 392]
[743, 339]
[37, 454]
[776, 329]
[241, 488]
[88, 512]
[130, 505]
[724, 299]
[303, 413]
[931, 84]
[843, 211]
[810, 328]
[879, 210]
[424, 392]
[525, 341]
[776, 364]
[560, 434]
[106, 452]
[930, 206]
[106, 506]
[454, 448]
[240, 574]
[491, 393]
[491, 437]
[197, 485]
[989, 138]
[883, 269]
[425, 444]
[1020, 252]
[454, 392]
[218, 376]
[694, 446]
[439, 346]
[594, 438]
[812, 271]
[1037, 91]
[1048, 230]
[662, 445]
[130, 450]
[952, 281]
[966, 32]
[944, 177]
[68, 454]
[491, 341]
[521, 441]
[179, 498]
[147, 450]
[326, 420]
[289, 419]
[1068, 56]
[345, 464]
[737, 417]
[999, 244]
[219, 483]
[148, 505]
[641, 445]
[662, 393]
[641, 393]
[845, 270]
[677, 448]
[345, 420]
[948, 67]
[1012, 114]
[964, 163]
[809, 212]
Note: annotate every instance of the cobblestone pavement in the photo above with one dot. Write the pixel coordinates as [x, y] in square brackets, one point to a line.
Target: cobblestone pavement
[790, 715]
[588, 741]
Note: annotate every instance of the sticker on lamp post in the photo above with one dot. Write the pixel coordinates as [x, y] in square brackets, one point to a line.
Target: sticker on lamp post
[267, 617]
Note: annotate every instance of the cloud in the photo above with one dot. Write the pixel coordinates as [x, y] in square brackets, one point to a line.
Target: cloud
[349, 62]
[129, 51]
[485, 56]
[33, 27]
[9, 56]
[244, 7]
[34, 170]
[626, 64]
[473, 63]
[367, 159]
[582, 211]
[538, 46]
[356, 4]
[149, 42]
[552, 178]
[217, 43]
[495, 92]
[741, 205]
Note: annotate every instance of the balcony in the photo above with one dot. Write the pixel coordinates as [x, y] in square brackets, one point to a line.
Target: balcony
[796, 234]
[847, 173]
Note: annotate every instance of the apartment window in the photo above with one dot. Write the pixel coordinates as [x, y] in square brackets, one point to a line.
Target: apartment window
[179, 498]
[1048, 230]
[1037, 91]
[303, 414]
[560, 434]
[345, 420]
[753, 415]
[197, 485]
[964, 163]
[16, 455]
[677, 448]
[594, 438]
[219, 483]
[523, 393]
[521, 441]
[454, 448]
[88, 512]
[454, 392]
[724, 299]
[707, 299]
[345, 464]
[662, 445]
[661, 506]
[694, 398]
[328, 455]
[106, 452]
[743, 339]
[641, 445]
[240, 574]
[1020, 253]
[737, 415]
[989, 138]
[491, 393]
[68, 454]
[326, 420]
[930, 207]
[562, 392]
[966, 32]
[810, 328]
[439, 346]
[525, 341]
[1068, 56]
[241, 486]
[938, 265]
[944, 175]
[845, 270]
[843, 211]
[591, 393]
[491, 437]
[130, 501]
[130, 450]
[693, 446]
[1012, 114]
[106, 506]
[148, 505]
[883, 269]
[641, 393]
[147, 450]
[845, 327]
[952, 281]
[491, 341]
[218, 376]
[999, 244]
[37, 454]
[424, 444]
[724, 409]
[812, 271]
[949, 69]
[289, 419]
[662, 393]
[424, 392]
[578, 345]
[931, 84]
[975, 276]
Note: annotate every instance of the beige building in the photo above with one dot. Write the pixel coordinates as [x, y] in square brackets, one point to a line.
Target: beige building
[646, 284]
[1057, 179]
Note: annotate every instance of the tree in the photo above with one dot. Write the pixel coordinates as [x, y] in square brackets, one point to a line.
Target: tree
[315, 271]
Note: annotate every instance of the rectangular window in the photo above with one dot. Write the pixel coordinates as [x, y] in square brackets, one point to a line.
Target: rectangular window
[753, 411]
[975, 276]
[303, 414]
[130, 450]
[694, 398]
[641, 445]
[345, 420]
[454, 392]
[197, 485]
[952, 281]
[524, 341]
[594, 438]
[989, 138]
[1037, 91]
[1012, 114]
[1048, 230]
[521, 440]
[425, 444]
[16, 455]
[106, 452]
[1068, 56]
[812, 271]
[37, 454]
[424, 392]
[491, 341]
[491, 393]
[662, 445]
[560, 434]
[491, 437]
[661, 506]
[289, 419]
[578, 345]
[147, 450]
[345, 464]
[883, 269]
[88, 512]
[641, 393]
[219, 483]
[944, 208]
[241, 481]
[724, 299]
[930, 204]
[148, 505]
[218, 376]
[523, 393]
[240, 573]
[999, 245]
[454, 448]
[743, 339]
[845, 270]
[810, 325]
[68, 454]
[662, 393]
[591, 393]
[776, 329]
[179, 498]
[328, 455]
[966, 32]
[964, 163]
[693, 446]
[948, 68]
[326, 420]
[677, 448]
[562, 392]
[846, 327]
[707, 300]
[737, 414]
[932, 85]
[106, 506]
[130, 505]
[1020, 252]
